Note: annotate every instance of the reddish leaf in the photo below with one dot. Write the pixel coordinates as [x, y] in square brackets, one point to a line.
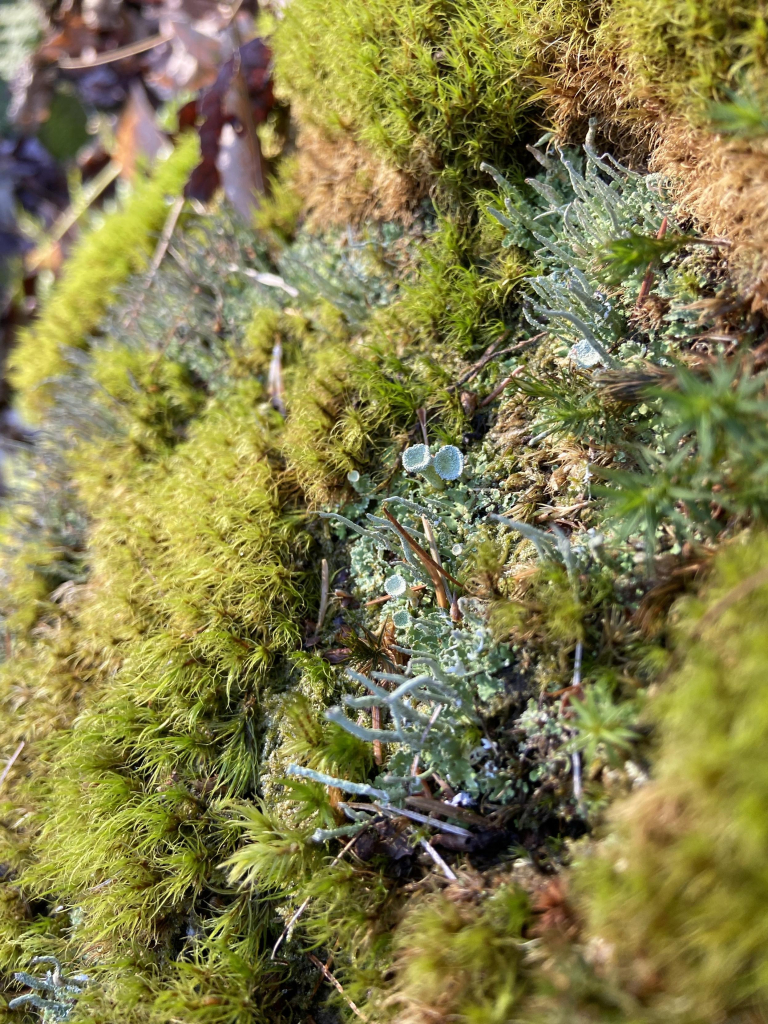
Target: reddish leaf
[218, 107]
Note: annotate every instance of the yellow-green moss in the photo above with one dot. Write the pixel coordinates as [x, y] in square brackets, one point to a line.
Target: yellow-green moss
[101, 261]
[674, 893]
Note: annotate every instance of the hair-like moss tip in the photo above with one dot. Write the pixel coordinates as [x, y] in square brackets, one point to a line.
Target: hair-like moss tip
[449, 462]
[416, 458]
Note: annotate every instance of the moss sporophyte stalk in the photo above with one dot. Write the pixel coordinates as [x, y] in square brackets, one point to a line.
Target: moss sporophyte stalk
[383, 588]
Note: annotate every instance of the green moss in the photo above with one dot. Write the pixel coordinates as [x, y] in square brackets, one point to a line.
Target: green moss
[461, 962]
[101, 262]
[688, 52]
[674, 888]
[435, 85]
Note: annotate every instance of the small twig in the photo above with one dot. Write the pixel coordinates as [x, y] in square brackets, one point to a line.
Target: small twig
[577, 790]
[69, 218]
[160, 250]
[337, 985]
[645, 287]
[447, 810]
[486, 357]
[422, 819]
[500, 387]
[429, 563]
[325, 585]
[450, 875]
[275, 388]
[286, 932]
[421, 416]
[246, 111]
[130, 50]
[12, 761]
[442, 593]
[576, 756]
[378, 747]
[416, 588]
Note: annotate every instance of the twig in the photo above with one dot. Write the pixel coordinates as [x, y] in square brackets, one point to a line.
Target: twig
[275, 388]
[160, 250]
[378, 747]
[325, 583]
[645, 287]
[337, 985]
[500, 387]
[69, 218]
[578, 793]
[423, 819]
[286, 932]
[450, 875]
[576, 756]
[12, 761]
[448, 810]
[429, 563]
[130, 50]
[486, 357]
[421, 416]
[442, 593]
[246, 111]
[416, 588]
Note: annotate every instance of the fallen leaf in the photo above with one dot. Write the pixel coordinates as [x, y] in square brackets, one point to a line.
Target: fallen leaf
[222, 105]
[138, 139]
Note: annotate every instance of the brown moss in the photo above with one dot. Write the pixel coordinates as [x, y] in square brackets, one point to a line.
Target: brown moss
[342, 182]
[722, 184]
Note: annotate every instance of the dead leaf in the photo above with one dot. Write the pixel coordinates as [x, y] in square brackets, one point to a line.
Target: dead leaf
[138, 139]
[222, 105]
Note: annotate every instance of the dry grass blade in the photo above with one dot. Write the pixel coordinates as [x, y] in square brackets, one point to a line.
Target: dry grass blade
[436, 572]
[337, 985]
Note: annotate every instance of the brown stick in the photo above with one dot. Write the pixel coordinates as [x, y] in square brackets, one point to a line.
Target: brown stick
[325, 585]
[645, 287]
[416, 589]
[245, 112]
[378, 748]
[429, 564]
[442, 593]
[500, 387]
[421, 416]
[486, 357]
[337, 985]
[131, 50]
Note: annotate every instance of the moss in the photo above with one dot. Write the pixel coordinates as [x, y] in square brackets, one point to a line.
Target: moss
[101, 262]
[461, 962]
[435, 86]
[688, 53]
[673, 890]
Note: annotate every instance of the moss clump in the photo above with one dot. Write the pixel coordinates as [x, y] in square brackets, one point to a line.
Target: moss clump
[688, 53]
[437, 87]
[673, 890]
[461, 961]
[101, 262]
